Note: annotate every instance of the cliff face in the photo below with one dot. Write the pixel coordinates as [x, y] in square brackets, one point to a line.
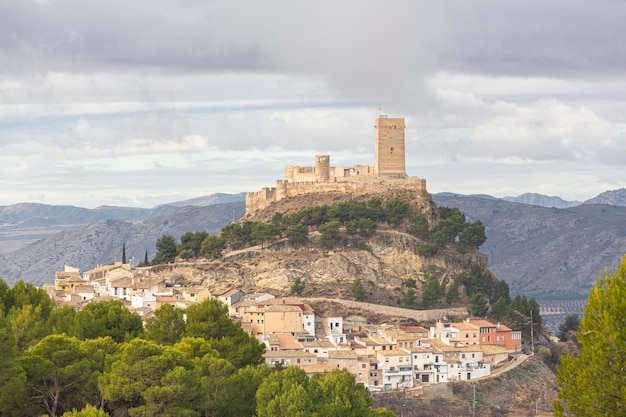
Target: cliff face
[328, 273]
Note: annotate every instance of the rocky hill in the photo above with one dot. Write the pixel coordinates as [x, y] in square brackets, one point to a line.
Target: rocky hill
[391, 259]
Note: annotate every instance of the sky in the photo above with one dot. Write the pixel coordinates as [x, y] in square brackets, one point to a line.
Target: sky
[144, 102]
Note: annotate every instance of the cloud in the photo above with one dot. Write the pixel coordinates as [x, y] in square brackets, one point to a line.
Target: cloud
[559, 38]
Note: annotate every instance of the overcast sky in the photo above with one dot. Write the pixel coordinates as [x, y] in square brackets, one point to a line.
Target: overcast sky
[142, 102]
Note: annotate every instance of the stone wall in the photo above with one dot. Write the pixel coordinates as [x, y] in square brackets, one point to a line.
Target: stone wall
[355, 186]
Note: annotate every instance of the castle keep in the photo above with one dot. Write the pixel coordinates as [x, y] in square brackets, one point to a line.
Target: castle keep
[388, 170]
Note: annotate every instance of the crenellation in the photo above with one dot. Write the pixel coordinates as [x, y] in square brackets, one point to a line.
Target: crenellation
[358, 179]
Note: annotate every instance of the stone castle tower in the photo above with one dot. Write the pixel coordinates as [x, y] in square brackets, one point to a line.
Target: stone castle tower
[389, 147]
[389, 171]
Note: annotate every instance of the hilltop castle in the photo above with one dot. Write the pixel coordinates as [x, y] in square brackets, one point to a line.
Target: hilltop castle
[388, 170]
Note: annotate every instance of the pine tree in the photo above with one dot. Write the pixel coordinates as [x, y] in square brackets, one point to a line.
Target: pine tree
[123, 253]
[593, 383]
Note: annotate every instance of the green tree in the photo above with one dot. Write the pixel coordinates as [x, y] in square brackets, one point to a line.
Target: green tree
[233, 233]
[298, 286]
[297, 234]
[212, 246]
[57, 369]
[571, 323]
[166, 326]
[264, 232]
[209, 320]
[179, 393]
[166, 250]
[145, 261]
[315, 216]
[12, 376]
[473, 236]
[108, 318]
[593, 383]
[27, 294]
[500, 308]
[340, 395]
[375, 209]
[123, 253]
[419, 227]
[63, 320]
[28, 325]
[292, 393]
[396, 211]
[451, 224]
[6, 297]
[478, 305]
[100, 352]
[192, 243]
[433, 291]
[215, 374]
[144, 371]
[88, 411]
[358, 291]
[243, 385]
[501, 289]
[452, 294]
[408, 298]
[476, 280]
[285, 394]
[330, 234]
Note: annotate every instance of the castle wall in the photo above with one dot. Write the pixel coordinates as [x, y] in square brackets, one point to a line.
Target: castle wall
[259, 200]
[389, 168]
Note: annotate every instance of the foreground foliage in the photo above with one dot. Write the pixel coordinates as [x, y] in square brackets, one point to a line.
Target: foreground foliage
[100, 361]
[593, 383]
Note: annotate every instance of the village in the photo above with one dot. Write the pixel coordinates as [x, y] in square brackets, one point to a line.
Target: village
[382, 357]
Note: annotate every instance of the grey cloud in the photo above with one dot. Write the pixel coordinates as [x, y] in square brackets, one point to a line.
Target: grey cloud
[75, 35]
[558, 38]
[374, 51]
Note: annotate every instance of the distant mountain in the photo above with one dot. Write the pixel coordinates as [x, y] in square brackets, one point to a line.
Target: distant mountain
[542, 200]
[16, 214]
[546, 253]
[25, 223]
[613, 198]
[101, 242]
[208, 200]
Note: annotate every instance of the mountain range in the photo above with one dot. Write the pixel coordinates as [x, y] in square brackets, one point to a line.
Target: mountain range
[542, 246]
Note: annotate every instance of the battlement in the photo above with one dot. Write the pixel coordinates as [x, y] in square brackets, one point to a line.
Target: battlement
[389, 169]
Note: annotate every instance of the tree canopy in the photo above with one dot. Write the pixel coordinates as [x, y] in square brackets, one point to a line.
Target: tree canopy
[593, 383]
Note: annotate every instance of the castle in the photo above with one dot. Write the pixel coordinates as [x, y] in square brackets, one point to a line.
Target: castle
[388, 170]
